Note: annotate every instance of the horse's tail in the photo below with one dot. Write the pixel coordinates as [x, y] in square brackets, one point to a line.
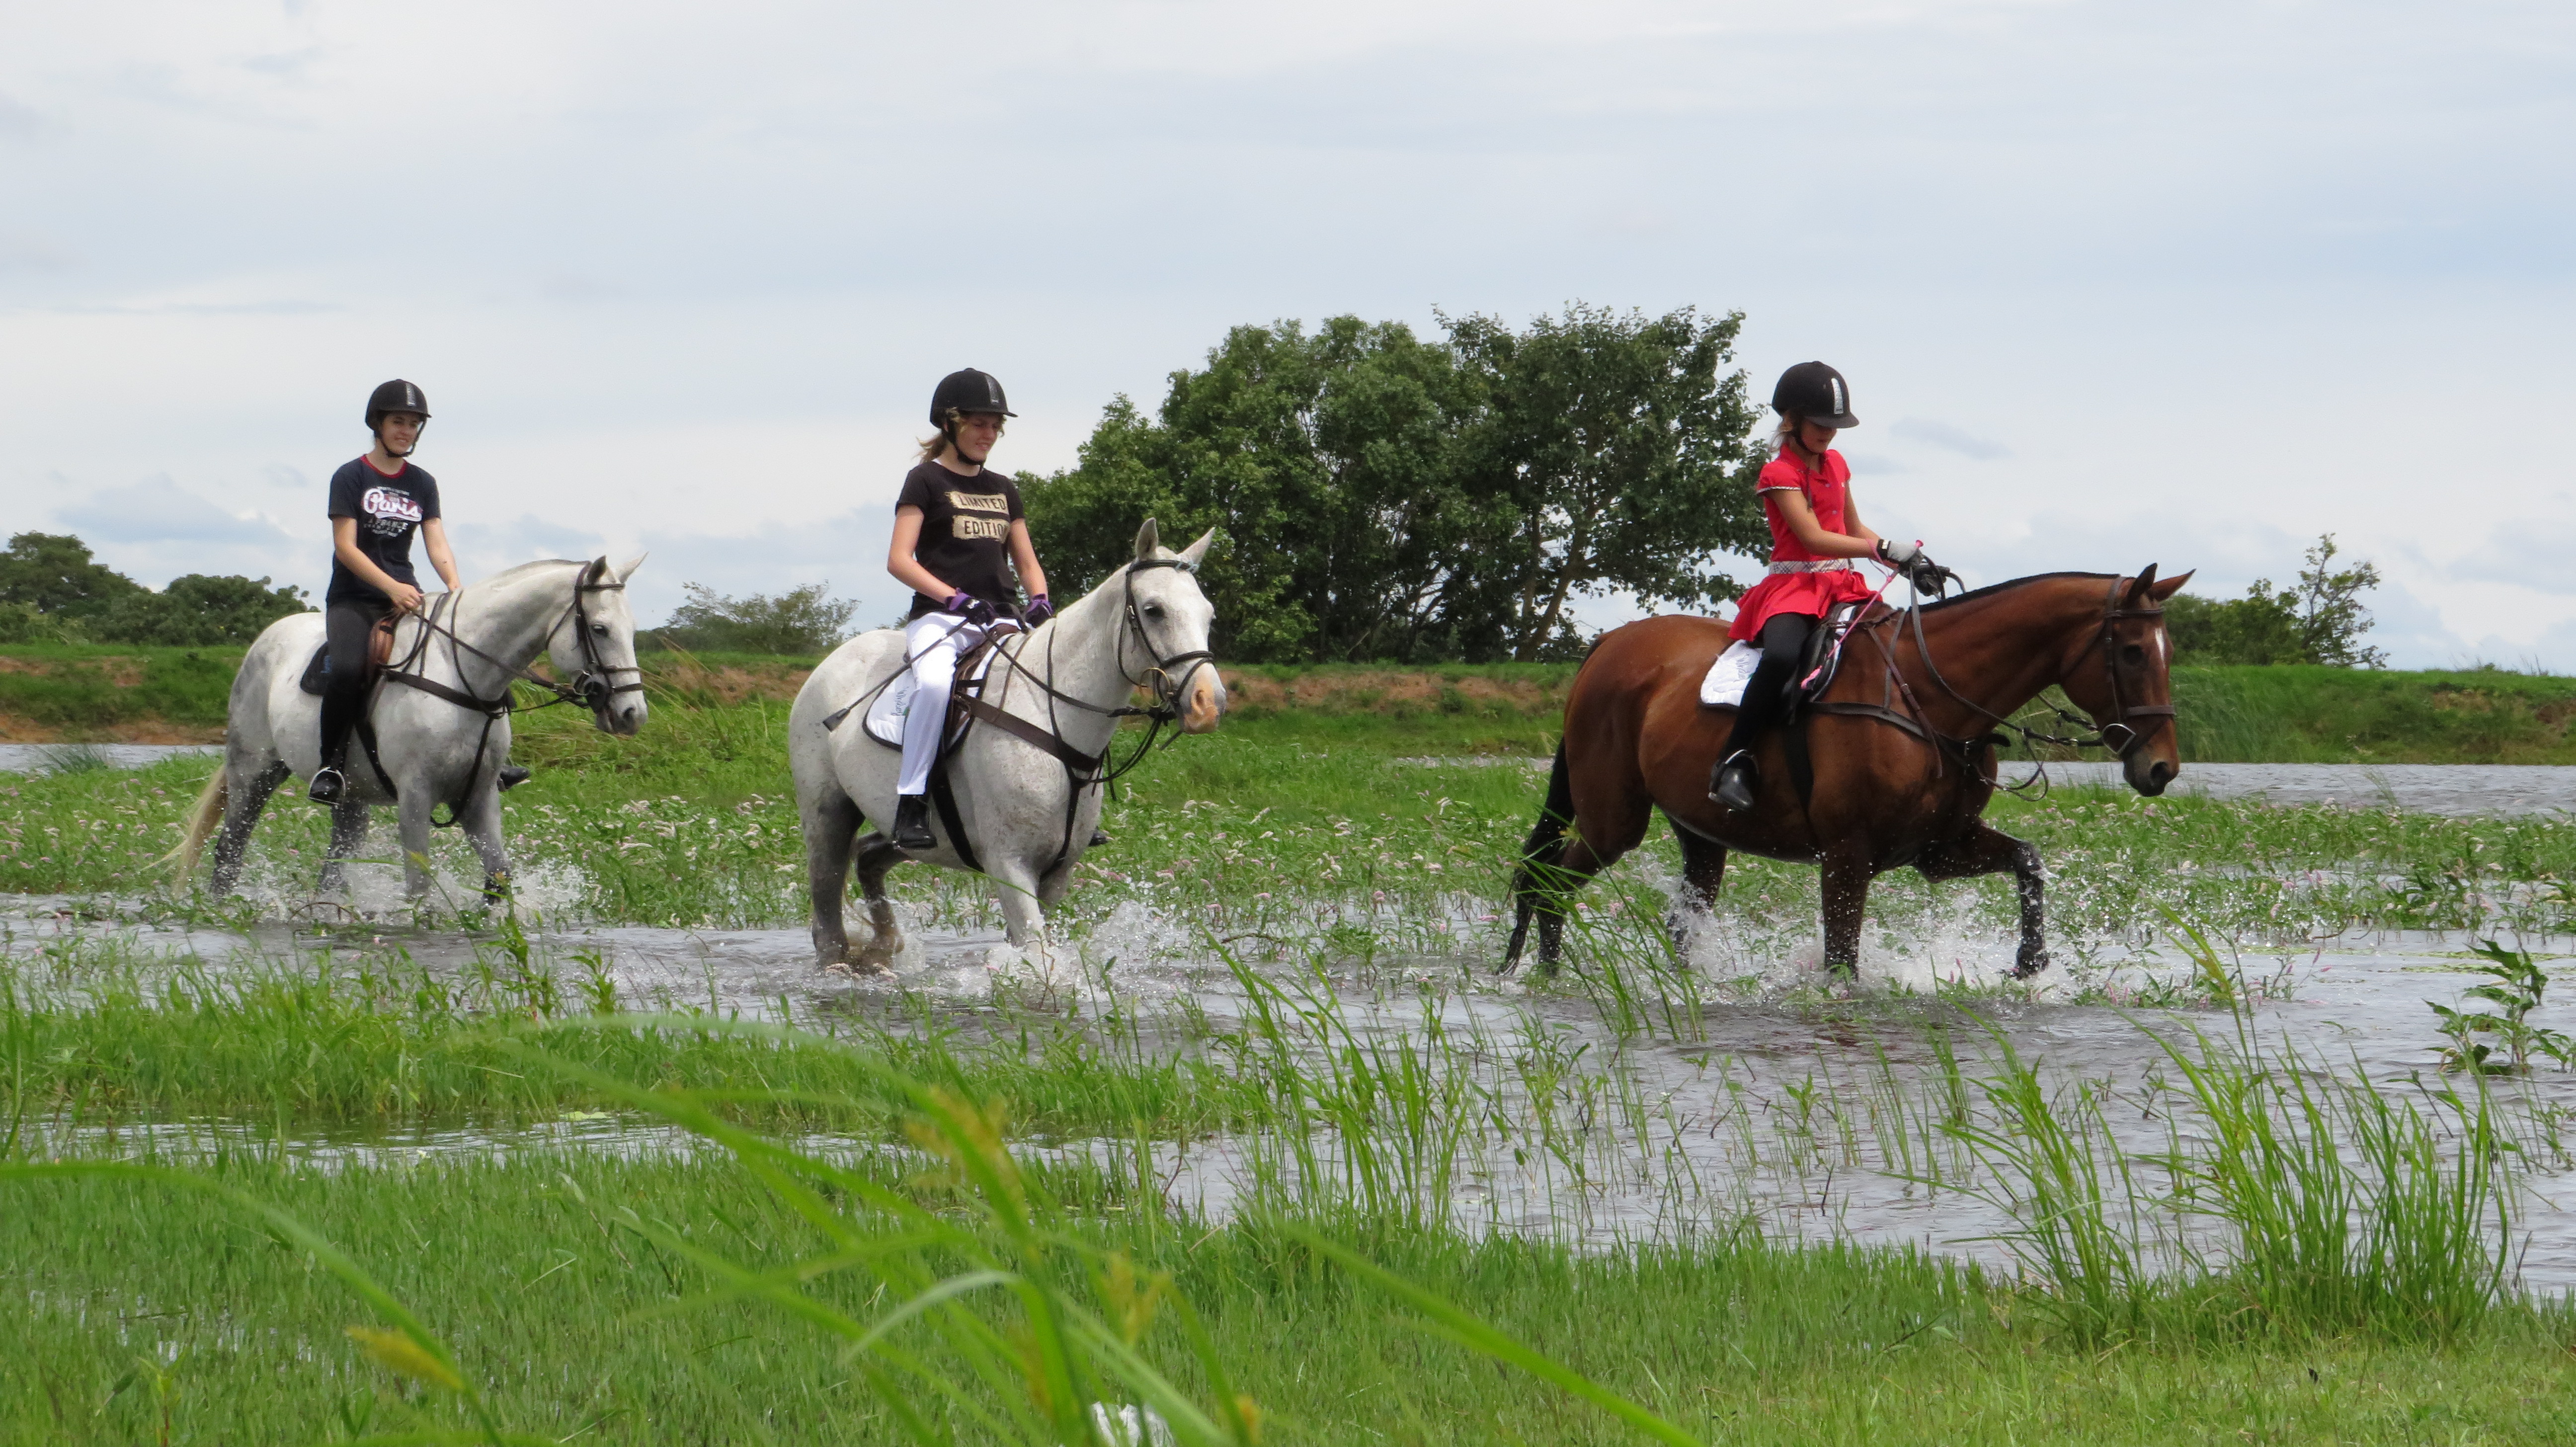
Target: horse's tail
[1540, 853]
[202, 819]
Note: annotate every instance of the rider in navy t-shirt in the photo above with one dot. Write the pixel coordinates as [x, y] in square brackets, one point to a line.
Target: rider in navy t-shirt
[377, 502]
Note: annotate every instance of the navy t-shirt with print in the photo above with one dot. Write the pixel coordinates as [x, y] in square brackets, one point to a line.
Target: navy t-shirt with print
[965, 533]
[389, 510]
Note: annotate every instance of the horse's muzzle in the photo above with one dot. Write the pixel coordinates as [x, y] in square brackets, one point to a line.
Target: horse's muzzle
[1203, 705]
[2150, 776]
[624, 719]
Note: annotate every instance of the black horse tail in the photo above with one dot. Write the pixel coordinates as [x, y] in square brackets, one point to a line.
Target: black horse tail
[1540, 853]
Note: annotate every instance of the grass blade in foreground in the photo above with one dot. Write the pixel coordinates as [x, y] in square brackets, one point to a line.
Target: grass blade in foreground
[414, 1350]
[1476, 1335]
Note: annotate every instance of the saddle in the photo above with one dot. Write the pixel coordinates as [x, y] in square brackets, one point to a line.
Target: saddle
[893, 703]
[1733, 671]
[380, 651]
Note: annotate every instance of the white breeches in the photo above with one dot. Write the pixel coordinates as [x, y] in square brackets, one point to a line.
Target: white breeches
[933, 643]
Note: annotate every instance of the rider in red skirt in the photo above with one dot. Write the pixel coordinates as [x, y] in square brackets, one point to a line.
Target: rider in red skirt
[1816, 532]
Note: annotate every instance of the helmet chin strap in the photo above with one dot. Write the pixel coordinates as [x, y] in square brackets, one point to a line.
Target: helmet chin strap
[389, 447]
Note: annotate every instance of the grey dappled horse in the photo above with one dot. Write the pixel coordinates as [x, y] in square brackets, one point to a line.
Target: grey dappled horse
[1146, 627]
[434, 749]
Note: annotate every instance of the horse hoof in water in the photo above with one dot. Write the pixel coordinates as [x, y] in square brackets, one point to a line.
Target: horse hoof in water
[496, 886]
[858, 967]
[2031, 965]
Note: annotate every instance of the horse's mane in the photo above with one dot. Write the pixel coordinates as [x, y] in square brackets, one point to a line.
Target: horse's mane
[2008, 585]
[508, 573]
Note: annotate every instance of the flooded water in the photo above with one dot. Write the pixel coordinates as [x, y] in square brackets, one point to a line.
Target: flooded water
[1586, 1107]
[1803, 1109]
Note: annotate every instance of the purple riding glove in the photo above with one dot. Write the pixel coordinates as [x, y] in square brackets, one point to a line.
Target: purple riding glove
[1038, 611]
[969, 607]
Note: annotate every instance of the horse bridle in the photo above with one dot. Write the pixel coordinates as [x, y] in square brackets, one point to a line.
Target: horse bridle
[1167, 687]
[594, 687]
[2119, 735]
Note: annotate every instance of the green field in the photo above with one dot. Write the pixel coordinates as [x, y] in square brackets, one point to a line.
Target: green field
[2287, 714]
[1014, 1150]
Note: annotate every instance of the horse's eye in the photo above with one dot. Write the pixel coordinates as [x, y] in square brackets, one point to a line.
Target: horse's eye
[599, 628]
[2132, 653]
[1153, 610]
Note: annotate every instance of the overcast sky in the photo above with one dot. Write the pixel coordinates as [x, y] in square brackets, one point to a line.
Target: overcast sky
[2113, 284]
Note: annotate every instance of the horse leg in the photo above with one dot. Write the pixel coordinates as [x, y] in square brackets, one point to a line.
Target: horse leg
[411, 818]
[349, 820]
[1846, 893]
[1703, 870]
[831, 835]
[245, 798]
[1023, 923]
[481, 822]
[1987, 850]
[876, 855]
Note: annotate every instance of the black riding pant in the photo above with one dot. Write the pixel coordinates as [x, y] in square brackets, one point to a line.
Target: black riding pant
[1784, 647]
[346, 624]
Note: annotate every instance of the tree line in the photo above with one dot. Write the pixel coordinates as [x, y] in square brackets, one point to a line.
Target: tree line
[53, 591]
[1383, 495]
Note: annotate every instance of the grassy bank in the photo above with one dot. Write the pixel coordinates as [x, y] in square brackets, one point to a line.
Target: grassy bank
[2260, 715]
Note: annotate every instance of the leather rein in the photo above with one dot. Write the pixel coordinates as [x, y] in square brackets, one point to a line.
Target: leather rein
[593, 687]
[2119, 735]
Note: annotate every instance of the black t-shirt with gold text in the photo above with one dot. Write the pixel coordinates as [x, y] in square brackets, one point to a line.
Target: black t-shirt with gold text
[965, 533]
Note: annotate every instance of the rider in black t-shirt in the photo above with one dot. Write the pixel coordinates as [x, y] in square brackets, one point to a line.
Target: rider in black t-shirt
[958, 537]
[377, 502]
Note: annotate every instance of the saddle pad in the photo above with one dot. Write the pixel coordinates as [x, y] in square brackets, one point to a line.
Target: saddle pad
[886, 714]
[1724, 685]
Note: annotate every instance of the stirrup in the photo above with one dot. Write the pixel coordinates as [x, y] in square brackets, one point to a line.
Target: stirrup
[912, 823]
[328, 785]
[1732, 782]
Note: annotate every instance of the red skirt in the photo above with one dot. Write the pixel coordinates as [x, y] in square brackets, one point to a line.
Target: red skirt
[1807, 593]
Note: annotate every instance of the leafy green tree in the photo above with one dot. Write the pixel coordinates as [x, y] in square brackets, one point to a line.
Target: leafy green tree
[1387, 497]
[2321, 620]
[198, 610]
[1608, 455]
[54, 573]
[1327, 462]
[804, 620]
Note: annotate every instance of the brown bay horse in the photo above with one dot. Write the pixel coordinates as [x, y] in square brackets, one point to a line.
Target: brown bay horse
[1900, 742]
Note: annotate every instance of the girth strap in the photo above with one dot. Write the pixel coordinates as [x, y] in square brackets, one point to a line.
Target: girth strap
[944, 799]
[1027, 732]
[491, 707]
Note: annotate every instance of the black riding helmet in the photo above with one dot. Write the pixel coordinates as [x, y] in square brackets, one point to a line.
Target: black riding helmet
[1815, 392]
[395, 396]
[959, 393]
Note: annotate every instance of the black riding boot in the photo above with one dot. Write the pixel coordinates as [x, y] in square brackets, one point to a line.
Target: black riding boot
[347, 624]
[1736, 779]
[912, 824]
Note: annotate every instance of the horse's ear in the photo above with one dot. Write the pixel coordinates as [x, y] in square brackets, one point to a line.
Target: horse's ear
[1198, 550]
[2170, 586]
[627, 569]
[2137, 595]
[597, 572]
[1148, 541]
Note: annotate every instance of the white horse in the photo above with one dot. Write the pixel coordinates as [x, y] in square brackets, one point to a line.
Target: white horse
[442, 728]
[1027, 811]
